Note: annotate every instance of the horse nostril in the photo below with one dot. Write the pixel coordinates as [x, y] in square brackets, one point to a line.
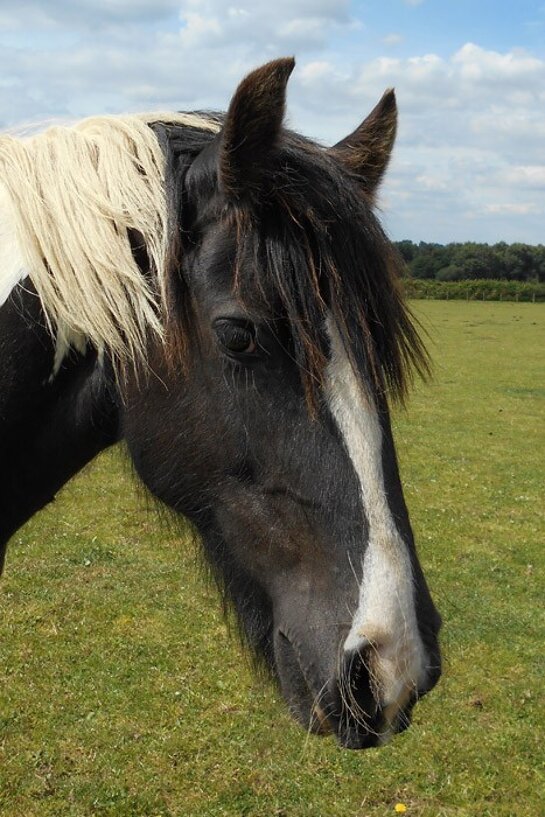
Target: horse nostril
[357, 715]
[357, 685]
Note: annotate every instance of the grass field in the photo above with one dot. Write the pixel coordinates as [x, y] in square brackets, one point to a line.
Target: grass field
[122, 693]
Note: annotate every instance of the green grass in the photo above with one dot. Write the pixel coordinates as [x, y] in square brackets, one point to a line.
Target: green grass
[122, 694]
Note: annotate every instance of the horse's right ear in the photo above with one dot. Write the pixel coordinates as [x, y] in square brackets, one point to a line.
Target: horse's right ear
[367, 150]
[252, 127]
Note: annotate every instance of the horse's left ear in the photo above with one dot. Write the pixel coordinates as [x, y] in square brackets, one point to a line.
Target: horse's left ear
[252, 127]
[367, 150]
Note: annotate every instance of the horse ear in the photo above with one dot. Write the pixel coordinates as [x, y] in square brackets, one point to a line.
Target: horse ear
[368, 149]
[252, 126]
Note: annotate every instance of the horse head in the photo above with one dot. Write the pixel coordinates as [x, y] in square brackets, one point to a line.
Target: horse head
[265, 419]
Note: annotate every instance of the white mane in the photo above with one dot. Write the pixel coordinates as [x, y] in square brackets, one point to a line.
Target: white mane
[68, 196]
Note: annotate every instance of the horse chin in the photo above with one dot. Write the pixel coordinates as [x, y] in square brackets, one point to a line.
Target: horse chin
[298, 693]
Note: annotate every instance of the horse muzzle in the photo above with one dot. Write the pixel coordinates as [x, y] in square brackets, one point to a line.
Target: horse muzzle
[341, 696]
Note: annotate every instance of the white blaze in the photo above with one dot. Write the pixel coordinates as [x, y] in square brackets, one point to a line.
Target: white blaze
[385, 620]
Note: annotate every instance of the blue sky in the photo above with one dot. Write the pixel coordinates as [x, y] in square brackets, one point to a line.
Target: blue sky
[444, 26]
[470, 79]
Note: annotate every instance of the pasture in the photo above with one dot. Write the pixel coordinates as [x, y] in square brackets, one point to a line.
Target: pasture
[123, 694]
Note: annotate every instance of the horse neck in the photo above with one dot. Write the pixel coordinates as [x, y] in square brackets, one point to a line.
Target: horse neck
[51, 425]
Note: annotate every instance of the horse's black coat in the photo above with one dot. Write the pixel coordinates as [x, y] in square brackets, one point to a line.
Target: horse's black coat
[50, 428]
[229, 425]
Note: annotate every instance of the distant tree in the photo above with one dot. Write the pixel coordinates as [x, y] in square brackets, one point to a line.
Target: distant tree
[407, 250]
[539, 261]
[428, 260]
[473, 261]
[501, 267]
[476, 260]
[518, 262]
[451, 273]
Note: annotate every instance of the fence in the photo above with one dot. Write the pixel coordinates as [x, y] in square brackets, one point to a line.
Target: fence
[481, 290]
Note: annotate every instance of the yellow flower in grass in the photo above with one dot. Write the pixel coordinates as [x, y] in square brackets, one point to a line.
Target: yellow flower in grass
[400, 808]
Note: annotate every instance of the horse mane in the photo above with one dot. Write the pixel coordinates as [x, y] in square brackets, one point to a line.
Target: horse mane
[80, 197]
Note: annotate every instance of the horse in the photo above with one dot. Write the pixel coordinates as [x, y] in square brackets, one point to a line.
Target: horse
[216, 291]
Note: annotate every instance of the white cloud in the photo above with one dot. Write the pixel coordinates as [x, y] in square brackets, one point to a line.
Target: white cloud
[472, 124]
[478, 65]
[431, 182]
[25, 15]
[465, 124]
[392, 39]
[257, 24]
[512, 209]
[198, 28]
[526, 176]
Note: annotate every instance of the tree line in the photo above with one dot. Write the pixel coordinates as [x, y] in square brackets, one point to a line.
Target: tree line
[471, 261]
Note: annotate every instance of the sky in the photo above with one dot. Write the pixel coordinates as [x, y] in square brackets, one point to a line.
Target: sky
[469, 162]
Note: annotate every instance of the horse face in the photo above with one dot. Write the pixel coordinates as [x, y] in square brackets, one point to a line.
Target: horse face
[298, 500]
[300, 510]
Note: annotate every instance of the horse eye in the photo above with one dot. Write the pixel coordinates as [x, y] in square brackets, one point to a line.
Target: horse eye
[236, 337]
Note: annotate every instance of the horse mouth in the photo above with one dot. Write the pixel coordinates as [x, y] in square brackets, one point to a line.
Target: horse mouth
[337, 705]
